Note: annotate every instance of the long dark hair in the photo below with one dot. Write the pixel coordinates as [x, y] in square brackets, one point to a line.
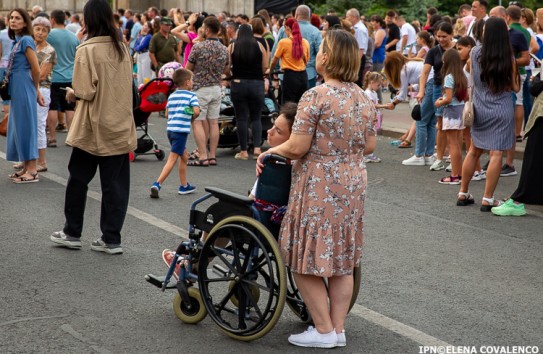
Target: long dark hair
[496, 59]
[99, 22]
[452, 64]
[242, 53]
[28, 21]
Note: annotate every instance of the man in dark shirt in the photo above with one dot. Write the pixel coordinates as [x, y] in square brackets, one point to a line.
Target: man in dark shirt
[163, 46]
[393, 31]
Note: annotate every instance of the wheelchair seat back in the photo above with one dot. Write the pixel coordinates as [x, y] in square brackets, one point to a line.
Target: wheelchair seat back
[273, 188]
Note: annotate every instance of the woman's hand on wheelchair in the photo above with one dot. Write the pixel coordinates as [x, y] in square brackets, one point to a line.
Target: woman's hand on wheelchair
[260, 162]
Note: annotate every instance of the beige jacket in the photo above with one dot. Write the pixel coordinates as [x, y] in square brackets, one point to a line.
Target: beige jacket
[103, 124]
[537, 113]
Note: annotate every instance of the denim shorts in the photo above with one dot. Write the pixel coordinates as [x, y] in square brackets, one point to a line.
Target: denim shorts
[178, 141]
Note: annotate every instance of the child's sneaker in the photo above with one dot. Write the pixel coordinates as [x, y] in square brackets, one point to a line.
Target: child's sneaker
[187, 189]
[371, 158]
[155, 188]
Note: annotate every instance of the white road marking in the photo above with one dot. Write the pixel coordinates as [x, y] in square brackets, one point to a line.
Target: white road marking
[68, 329]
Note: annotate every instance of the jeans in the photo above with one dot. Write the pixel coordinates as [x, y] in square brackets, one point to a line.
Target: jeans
[248, 99]
[115, 183]
[526, 96]
[426, 126]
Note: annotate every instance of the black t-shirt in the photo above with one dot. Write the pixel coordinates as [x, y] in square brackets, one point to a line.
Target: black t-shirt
[128, 27]
[393, 33]
[434, 59]
[518, 41]
[242, 68]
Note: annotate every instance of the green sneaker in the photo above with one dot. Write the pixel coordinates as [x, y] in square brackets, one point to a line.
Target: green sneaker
[509, 208]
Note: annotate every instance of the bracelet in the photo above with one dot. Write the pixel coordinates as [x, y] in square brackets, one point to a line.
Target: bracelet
[187, 23]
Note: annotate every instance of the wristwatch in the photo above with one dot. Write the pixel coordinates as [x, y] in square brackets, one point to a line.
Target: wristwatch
[187, 23]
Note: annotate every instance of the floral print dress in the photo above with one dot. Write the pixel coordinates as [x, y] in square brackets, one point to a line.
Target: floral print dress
[323, 228]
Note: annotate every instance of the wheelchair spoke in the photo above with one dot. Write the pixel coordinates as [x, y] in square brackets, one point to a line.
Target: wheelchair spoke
[252, 300]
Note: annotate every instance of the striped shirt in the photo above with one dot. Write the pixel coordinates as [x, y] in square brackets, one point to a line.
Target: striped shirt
[179, 110]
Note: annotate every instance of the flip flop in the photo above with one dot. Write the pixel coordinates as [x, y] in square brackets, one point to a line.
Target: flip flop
[212, 161]
[35, 178]
[41, 168]
[239, 156]
[199, 163]
[194, 155]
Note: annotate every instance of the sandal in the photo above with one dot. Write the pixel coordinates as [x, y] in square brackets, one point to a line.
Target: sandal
[32, 179]
[41, 168]
[194, 155]
[450, 180]
[212, 161]
[491, 204]
[18, 166]
[239, 156]
[405, 144]
[199, 163]
[467, 200]
[52, 143]
[16, 174]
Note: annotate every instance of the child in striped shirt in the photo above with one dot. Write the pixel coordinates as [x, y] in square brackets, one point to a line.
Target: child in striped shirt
[182, 108]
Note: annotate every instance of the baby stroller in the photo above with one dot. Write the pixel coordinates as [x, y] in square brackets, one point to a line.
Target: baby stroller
[228, 137]
[154, 97]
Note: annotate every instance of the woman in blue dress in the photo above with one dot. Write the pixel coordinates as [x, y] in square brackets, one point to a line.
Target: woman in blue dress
[24, 77]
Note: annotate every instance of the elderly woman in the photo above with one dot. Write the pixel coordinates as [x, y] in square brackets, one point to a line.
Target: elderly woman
[24, 77]
[46, 59]
[322, 231]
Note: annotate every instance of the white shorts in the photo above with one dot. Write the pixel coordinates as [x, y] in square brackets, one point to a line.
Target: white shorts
[519, 94]
[209, 99]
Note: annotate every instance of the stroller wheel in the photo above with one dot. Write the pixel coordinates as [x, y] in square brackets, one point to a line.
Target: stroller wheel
[131, 156]
[160, 155]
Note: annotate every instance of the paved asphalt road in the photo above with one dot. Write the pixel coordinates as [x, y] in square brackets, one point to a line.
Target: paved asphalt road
[433, 273]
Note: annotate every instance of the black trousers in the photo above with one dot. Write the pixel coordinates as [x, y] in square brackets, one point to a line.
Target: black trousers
[248, 99]
[293, 86]
[360, 80]
[115, 183]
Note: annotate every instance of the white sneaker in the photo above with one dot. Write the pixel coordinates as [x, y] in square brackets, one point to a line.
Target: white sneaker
[414, 161]
[341, 340]
[313, 339]
[429, 160]
[482, 175]
[449, 168]
[476, 176]
[437, 165]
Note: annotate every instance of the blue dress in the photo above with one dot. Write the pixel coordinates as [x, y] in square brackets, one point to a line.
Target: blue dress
[22, 137]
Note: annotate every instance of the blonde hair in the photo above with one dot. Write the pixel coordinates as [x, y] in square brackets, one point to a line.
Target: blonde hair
[343, 56]
[459, 28]
[394, 62]
[371, 76]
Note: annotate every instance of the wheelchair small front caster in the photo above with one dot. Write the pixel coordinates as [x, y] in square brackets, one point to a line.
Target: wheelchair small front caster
[197, 311]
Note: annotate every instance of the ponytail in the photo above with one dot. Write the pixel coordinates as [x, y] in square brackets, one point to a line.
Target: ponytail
[370, 77]
[297, 46]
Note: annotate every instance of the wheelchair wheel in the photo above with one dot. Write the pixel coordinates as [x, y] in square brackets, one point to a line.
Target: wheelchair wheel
[239, 256]
[198, 311]
[357, 274]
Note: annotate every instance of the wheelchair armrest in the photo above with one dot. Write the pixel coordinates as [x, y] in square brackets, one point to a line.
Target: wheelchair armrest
[231, 197]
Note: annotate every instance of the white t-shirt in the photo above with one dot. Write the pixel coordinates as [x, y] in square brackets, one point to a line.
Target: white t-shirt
[372, 95]
[411, 44]
[361, 35]
[7, 44]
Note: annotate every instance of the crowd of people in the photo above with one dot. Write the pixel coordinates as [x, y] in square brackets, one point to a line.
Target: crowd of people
[69, 73]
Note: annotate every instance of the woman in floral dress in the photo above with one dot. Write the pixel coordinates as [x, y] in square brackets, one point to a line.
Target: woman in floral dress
[321, 234]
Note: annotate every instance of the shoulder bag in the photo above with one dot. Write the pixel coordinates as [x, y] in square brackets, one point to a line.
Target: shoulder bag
[4, 86]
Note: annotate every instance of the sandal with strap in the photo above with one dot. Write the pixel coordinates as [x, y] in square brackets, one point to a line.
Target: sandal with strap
[450, 180]
[491, 204]
[404, 144]
[16, 174]
[32, 179]
[467, 200]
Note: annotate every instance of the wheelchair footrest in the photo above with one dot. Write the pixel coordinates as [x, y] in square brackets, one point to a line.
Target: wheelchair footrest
[158, 281]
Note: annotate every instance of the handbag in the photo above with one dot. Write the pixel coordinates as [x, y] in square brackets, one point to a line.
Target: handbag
[4, 87]
[4, 125]
[468, 114]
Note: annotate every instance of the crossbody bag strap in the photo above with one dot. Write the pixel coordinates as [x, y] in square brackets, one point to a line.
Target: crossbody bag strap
[11, 58]
[472, 83]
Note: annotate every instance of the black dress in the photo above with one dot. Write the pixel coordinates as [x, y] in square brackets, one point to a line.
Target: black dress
[530, 185]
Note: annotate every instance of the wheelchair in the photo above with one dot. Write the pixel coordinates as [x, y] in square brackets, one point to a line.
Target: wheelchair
[233, 256]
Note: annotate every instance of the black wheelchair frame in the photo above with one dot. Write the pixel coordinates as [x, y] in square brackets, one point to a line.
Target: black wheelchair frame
[243, 283]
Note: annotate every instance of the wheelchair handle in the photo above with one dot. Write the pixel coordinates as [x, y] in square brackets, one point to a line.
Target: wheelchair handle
[276, 159]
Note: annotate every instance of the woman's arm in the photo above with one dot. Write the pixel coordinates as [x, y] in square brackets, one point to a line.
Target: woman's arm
[516, 78]
[265, 58]
[534, 47]
[273, 64]
[294, 148]
[446, 99]
[35, 71]
[422, 82]
[45, 70]
[179, 32]
[379, 37]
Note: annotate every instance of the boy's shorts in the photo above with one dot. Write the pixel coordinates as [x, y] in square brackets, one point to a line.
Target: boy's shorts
[178, 141]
